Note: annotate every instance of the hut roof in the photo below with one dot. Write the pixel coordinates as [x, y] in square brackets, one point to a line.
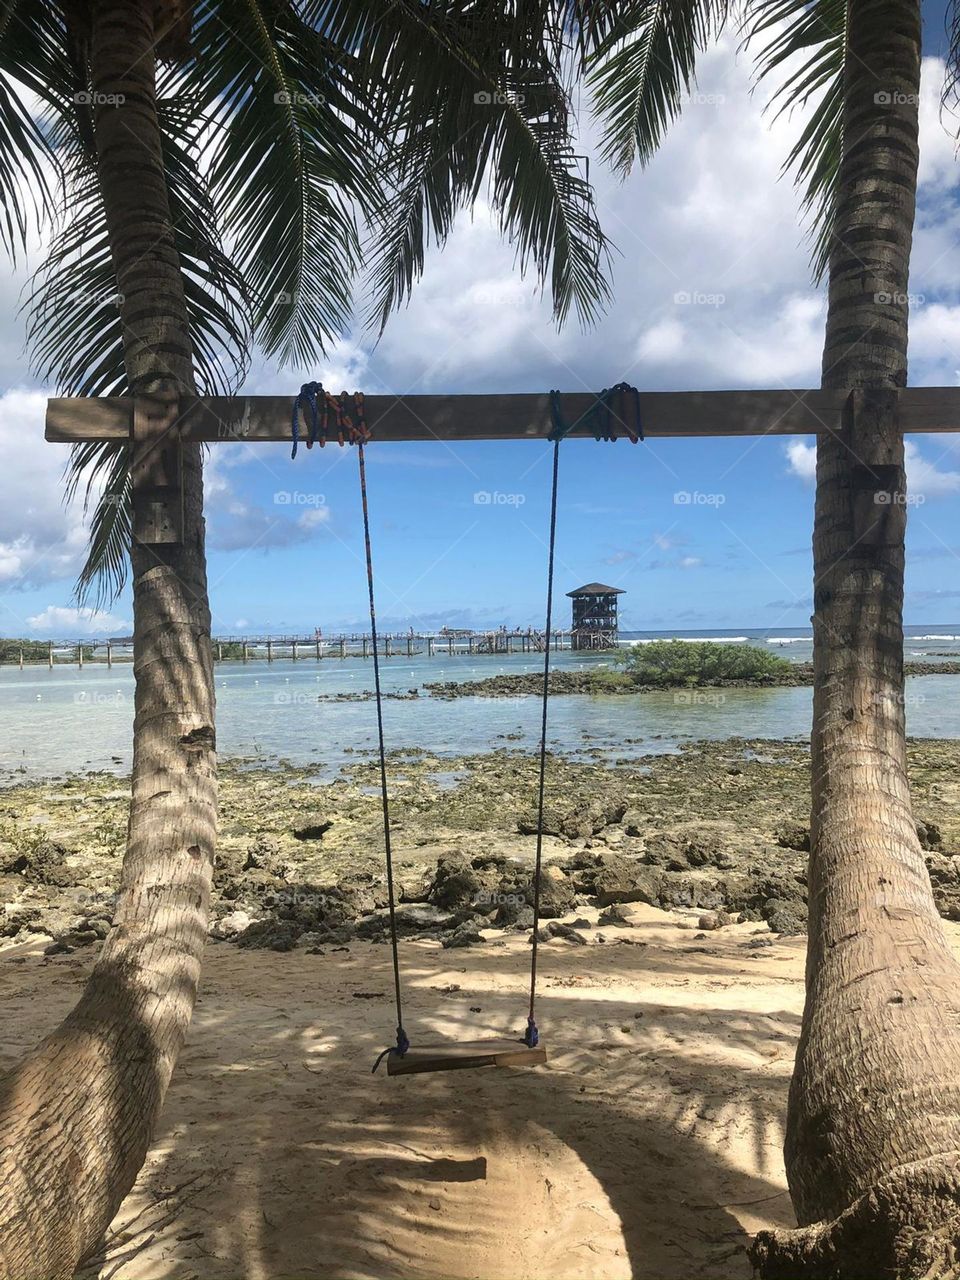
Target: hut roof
[596, 589]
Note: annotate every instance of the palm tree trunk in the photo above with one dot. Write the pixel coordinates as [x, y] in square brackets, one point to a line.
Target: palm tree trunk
[873, 1129]
[77, 1115]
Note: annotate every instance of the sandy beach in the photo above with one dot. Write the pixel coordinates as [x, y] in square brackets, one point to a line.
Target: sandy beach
[671, 990]
[649, 1145]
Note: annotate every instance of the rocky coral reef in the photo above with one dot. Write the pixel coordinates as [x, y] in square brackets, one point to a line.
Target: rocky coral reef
[718, 828]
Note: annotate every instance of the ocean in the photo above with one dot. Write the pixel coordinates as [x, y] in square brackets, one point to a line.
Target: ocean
[66, 720]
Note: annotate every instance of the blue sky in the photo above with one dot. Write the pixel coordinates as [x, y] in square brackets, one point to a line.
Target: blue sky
[710, 218]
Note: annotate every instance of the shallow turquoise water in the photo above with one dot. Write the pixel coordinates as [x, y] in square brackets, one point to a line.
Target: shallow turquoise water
[67, 720]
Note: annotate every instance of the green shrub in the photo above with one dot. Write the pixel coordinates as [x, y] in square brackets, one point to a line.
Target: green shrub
[672, 663]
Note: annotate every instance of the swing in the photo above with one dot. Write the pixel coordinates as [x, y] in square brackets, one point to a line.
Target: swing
[526, 1051]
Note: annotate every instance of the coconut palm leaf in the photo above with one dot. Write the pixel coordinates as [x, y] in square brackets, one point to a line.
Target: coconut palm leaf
[74, 329]
[471, 96]
[289, 127]
[105, 569]
[30, 52]
[951, 84]
[812, 36]
[285, 169]
[642, 67]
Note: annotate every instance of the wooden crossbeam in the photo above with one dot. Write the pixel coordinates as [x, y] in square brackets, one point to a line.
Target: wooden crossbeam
[675, 414]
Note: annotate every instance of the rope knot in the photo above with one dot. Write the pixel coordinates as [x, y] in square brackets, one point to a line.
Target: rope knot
[400, 1048]
[319, 407]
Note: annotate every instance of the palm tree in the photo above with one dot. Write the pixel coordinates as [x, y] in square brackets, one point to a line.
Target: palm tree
[873, 1127]
[277, 132]
[873, 1124]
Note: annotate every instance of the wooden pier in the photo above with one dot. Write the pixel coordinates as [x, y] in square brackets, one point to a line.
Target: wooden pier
[273, 648]
[393, 645]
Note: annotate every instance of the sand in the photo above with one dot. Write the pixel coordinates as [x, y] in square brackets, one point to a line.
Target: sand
[649, 1146]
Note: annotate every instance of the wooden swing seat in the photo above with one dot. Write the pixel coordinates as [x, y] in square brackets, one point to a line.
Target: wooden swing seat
[463, 1055]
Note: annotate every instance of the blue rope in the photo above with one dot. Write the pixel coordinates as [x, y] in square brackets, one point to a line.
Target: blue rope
[598, 416]
[400, 1048]
[306, 398]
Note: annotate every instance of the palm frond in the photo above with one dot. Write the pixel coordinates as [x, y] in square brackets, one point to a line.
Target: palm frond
[950, 98]
[104, 572]
[642, 69]
[74, 328]
[30, 52]
[285, 168]
[466, 95]
[814, 35]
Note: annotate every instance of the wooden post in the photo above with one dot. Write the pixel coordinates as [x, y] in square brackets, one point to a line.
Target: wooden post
[343, 647]
[293, 646]
[409, 646]
[366, 646]
[244, 650]
[317, 645]
[80, 654]
[450, 645]
[220, 650]
[109, 655]
[387, 649]
[156, 470]
[269, 650]
[430, 643]
[21, 659]
[50, 656]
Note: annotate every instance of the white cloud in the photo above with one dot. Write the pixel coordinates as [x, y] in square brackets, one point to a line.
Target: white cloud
[935, 333]
[802, 459]
[315, 516]
[924, 477]
[41, 539]
[938, 148]
[63, 623]
[662, 342]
